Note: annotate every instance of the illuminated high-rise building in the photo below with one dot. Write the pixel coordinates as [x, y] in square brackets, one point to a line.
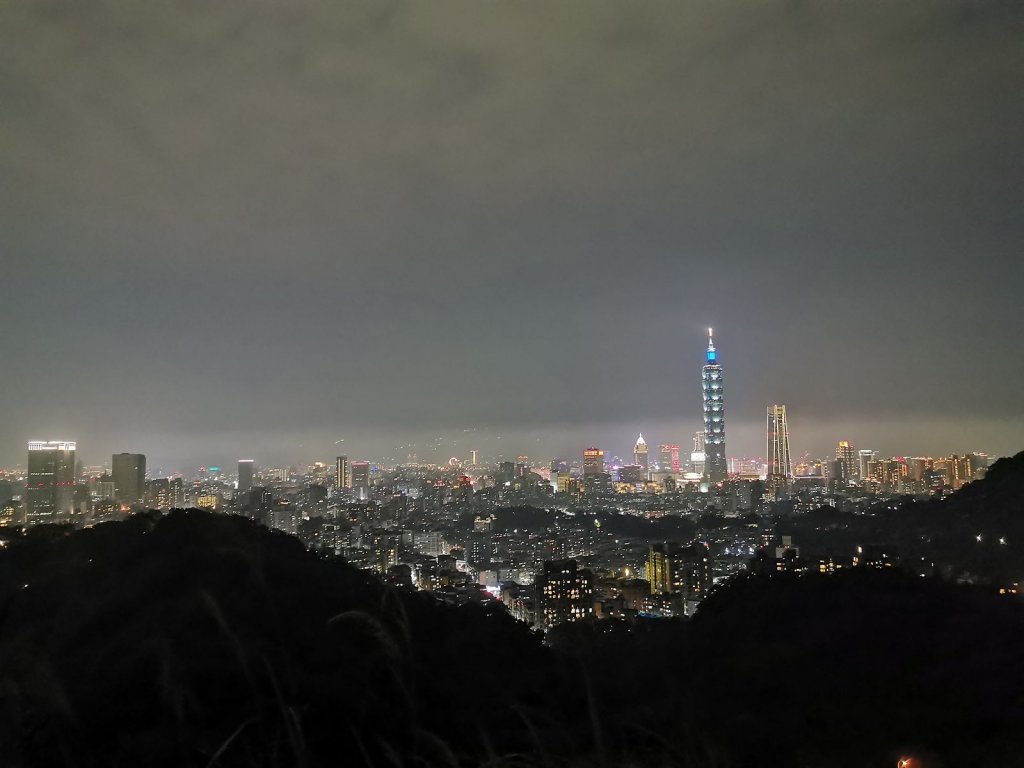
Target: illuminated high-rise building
[565, 593]
[715, 468]
[178, 498]
[698, 441]
[668, 459]
[779, 463]
[245, 472]
[640, 454]
[50, 485]
[697, 455]
[847, 462]
[865, 457]
[596, 480]
[342, 473]
[361, 479]
[672, 568]
[128, 471]
[158, 494]
[593, 462]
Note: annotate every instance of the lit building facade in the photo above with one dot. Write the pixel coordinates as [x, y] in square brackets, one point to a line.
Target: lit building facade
[715, 468]
[564, 593]
[640, 453]
[50, 484]
[673, 569]
[343, 474]
[593, 462]
[668, 460]
[780, 465]
[697, 455]
[864, 458]
[361, 479]
[847, 462]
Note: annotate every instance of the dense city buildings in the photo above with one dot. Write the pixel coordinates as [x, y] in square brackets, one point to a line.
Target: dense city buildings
[715, 468]
[128, 471]
[550, 541]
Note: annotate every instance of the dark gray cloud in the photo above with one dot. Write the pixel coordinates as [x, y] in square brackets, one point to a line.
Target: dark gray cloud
[241, 225]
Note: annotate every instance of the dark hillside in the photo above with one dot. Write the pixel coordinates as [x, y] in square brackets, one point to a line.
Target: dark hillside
[199, 640]
[167, 641]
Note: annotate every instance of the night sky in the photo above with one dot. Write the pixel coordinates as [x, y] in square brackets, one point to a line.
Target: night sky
[256, 229]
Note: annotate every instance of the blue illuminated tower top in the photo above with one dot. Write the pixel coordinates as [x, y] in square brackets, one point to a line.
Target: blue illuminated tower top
[712, 356]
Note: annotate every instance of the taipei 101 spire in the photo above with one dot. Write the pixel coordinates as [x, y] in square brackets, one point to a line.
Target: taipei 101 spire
[715, 470]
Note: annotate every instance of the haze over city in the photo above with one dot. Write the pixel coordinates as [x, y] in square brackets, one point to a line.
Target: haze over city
[260, 232]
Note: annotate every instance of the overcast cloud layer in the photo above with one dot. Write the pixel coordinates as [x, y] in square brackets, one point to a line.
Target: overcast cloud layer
[260, 228]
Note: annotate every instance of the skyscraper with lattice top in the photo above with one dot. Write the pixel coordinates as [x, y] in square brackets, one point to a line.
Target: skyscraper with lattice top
[715, 468]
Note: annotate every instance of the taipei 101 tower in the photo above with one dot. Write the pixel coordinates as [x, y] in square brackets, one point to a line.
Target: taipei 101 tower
[715, 470]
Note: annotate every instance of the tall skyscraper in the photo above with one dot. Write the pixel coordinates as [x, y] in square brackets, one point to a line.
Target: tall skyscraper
[715, 469]
[780, 465]
[847, 460]
[245, 472]
[593, 462]
[50, 486]
[361, 479]
[865, 457]
[640, 454]
[128, 471]
[342, 473]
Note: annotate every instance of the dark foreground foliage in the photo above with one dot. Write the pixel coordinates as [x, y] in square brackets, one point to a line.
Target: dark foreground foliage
[199, 640]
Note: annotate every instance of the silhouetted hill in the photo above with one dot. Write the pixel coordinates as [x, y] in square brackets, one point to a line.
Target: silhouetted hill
[200, 640]
[145, 642]
[850, 670]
